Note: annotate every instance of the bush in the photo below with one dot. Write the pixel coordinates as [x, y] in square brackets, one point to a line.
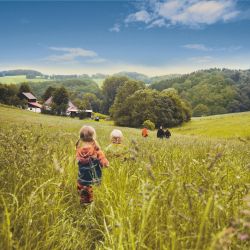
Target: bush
[148, 124]
[101, 116]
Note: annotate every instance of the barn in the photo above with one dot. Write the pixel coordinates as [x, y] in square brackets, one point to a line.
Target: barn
[33, 105]
[72, 110]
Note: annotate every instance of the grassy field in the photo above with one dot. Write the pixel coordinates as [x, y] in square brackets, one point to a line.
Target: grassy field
[18, 79]
[189, 192]
[223, 126]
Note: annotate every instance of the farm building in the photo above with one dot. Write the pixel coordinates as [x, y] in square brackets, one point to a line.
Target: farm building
[33, 105]
[72, 110]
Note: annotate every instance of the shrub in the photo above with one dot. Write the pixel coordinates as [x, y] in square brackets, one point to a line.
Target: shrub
[148, 124]
[101, 116]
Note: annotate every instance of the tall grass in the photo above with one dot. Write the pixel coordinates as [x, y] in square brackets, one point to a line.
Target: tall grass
[188, 192]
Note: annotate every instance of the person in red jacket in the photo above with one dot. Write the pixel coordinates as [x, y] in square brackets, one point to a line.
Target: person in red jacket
[90, 160]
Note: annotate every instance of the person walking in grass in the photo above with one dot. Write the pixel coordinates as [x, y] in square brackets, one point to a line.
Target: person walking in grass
[144, 132]
[116, 148]
[160, 133]
[91, 160]
[167, 133]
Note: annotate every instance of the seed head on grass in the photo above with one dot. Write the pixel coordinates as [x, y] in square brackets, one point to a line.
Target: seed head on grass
[57, 165]
[149, 171]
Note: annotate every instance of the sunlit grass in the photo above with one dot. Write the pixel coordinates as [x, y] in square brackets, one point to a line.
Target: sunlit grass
[222, 126]
[19, 79]
[182, 193]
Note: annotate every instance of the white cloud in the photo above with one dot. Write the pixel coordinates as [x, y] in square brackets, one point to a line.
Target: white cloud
[169, 8]
[96, 60]
[157, 23]
[202, 47]
[115, 28]
[197, 46]
[203, 12]
[231, 15]
[70, 54]
[192, 13]
[140, 16]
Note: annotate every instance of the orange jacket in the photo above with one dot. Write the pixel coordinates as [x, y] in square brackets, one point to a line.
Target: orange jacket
[90, 150]
[144, 132]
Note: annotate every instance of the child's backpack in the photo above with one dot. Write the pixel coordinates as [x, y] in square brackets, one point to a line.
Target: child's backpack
[90, 173]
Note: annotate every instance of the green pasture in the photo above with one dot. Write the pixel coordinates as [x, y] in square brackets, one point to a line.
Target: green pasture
[221, 126]
[188, 192]
[19, 79]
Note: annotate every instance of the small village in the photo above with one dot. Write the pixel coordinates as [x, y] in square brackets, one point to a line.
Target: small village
[34, 106]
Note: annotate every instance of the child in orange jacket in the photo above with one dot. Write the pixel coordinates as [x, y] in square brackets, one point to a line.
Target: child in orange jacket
[144, 132]
[90, 160]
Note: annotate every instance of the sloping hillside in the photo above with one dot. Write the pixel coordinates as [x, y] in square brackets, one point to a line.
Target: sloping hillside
[212, 91]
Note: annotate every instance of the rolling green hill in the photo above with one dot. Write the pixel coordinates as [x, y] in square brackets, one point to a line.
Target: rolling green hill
[213, 91]
[79, 86]
[188, 192]
[221, 126]
[19, 79]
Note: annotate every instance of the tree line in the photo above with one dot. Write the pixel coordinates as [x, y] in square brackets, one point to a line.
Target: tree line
[12, 94]
[130, 102]
[214, 91]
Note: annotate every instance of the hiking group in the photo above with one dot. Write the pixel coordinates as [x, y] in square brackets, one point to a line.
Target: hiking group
[91, 159]
[163, 134]
[160, 133]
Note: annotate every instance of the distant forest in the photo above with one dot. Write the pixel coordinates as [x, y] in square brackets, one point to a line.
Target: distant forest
[213, 91]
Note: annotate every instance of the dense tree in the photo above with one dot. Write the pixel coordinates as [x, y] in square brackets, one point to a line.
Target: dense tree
[159, 107]
[221, 91]
[109, 90]
[60, 100]
[92, 102]
[127, 89]
[79, 86]
[24, 87]
[48, 93]
[9, 95]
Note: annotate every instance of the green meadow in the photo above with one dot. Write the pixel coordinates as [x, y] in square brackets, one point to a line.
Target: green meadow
[188, 192]
[19, 79]
[235, 125]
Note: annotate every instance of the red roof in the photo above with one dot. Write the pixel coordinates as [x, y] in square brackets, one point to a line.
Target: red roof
[35, 104]
[28, 95]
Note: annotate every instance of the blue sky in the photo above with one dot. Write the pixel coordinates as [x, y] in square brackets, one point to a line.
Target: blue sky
[153, 37]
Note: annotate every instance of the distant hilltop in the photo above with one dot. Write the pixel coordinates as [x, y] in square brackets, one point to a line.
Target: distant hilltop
[17, 72]
[32, 74]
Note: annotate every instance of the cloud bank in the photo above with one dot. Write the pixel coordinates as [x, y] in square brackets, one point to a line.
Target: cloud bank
[191, 13]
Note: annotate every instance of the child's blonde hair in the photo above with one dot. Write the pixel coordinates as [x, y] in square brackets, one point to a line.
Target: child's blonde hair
[87, 134]
[116, 136]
